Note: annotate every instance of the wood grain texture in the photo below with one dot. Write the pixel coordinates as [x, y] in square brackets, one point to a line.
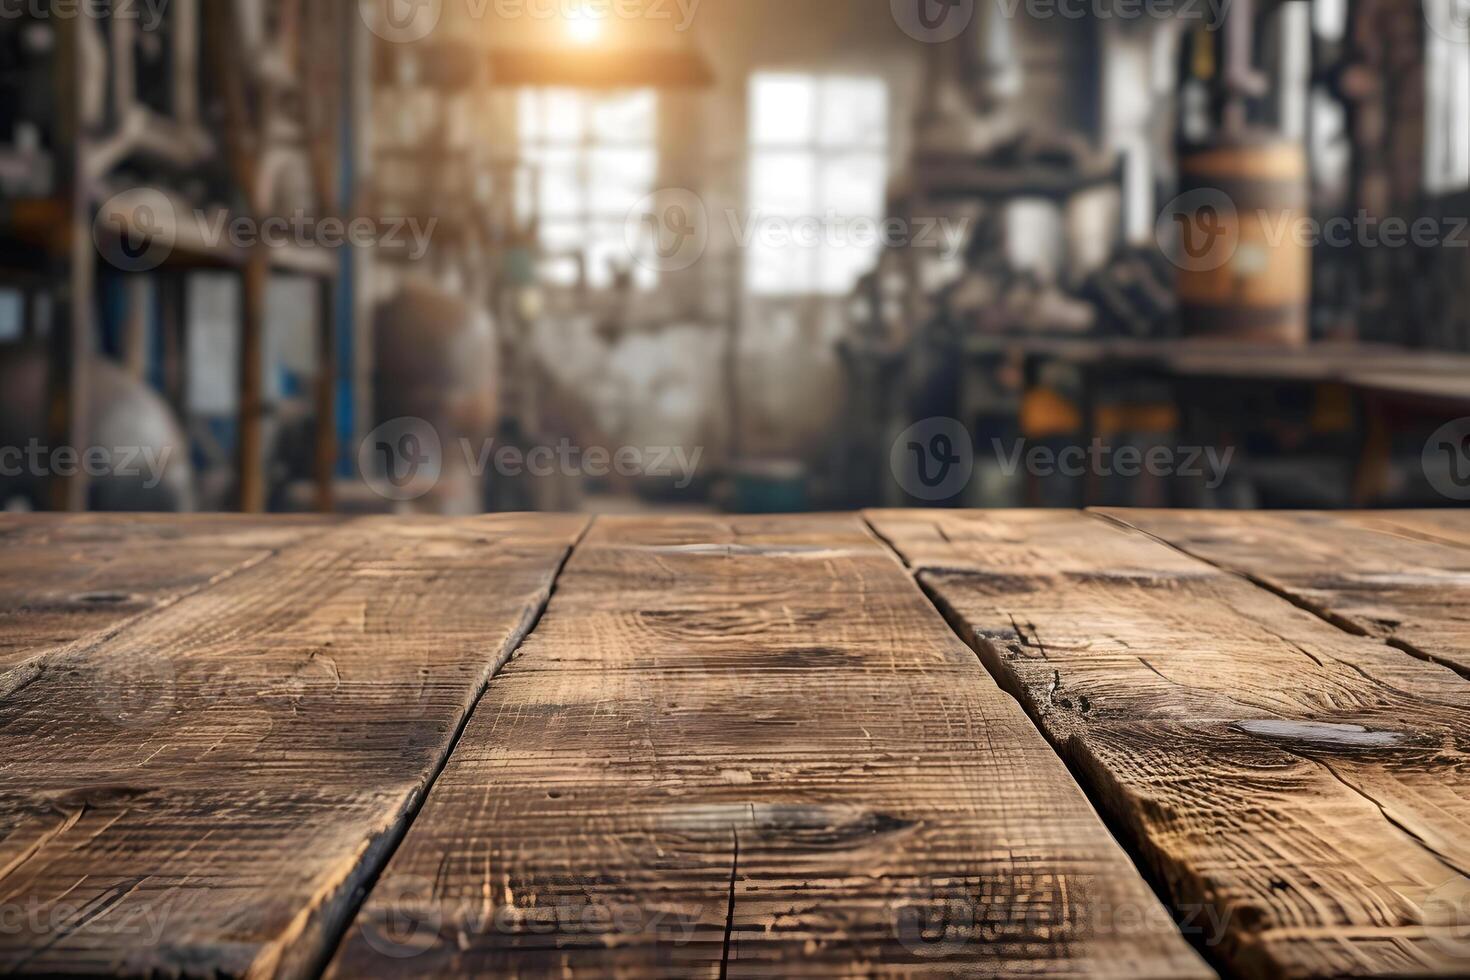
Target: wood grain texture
[1413, 592]
[200, 792]
[1447, 526]
[752, 748]
[73, 579]
[1307, 788]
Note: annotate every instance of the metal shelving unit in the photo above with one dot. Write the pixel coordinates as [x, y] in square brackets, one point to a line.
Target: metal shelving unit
[216, 142]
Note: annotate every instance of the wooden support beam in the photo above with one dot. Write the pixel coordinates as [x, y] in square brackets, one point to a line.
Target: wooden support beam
[136, 326]
[250, 448]
[71, 338]
[30, 324]
[247, 129]
[173, 315]
[68, 402]
[750, 747]
[202, 791]
[326, 396]
[1308, 788]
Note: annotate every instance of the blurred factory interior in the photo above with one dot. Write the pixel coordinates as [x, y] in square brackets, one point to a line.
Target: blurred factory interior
[451, 256]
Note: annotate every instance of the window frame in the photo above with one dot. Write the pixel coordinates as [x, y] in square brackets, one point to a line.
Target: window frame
[822, 153]
[532, 151]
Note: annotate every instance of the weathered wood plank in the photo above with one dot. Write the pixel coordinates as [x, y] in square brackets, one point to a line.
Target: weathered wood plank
[1357, 573]
[752, 748]
[1310, 787]
[201, 792]
[1450, 526]
[71, 579]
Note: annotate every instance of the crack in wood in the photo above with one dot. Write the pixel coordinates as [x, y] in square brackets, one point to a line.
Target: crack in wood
[367, 873]
[730, 906]
[1177, 789]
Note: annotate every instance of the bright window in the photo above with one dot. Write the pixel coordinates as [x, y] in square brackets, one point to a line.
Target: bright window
[818, 154]
[1447, 78]
[593, 156]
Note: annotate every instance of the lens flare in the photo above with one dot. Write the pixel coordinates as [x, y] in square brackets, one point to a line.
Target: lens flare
[583, 26]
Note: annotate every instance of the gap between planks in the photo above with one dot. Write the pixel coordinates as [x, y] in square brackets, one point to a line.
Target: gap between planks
[774, 839]
[1126, 841]
[1374, 932]
[190, 624]
[336, 930]
[1320, 608]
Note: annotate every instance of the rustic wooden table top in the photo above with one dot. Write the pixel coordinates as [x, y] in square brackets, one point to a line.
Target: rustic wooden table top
[1131, 744]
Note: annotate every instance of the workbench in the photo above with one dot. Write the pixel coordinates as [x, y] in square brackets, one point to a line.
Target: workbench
[1388, 388]
[901, 743]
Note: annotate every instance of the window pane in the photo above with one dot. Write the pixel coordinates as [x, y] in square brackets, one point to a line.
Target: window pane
[628, 117]
[607, 247]
[841, 265]
[558, 271]
[594, 157]
[783, 109]
[563, 236]
[618, 178]
[848, 117]
[525, 185]
[563, 113]
[853, 187]
[562, 192]
[854, 113]
[529, 115]
[780, 268]
[783, 183]
[1447, 83]
[12, 315]
[854, 184]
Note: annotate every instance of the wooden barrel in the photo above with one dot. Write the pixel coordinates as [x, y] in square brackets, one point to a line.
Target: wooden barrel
[1246, 262]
